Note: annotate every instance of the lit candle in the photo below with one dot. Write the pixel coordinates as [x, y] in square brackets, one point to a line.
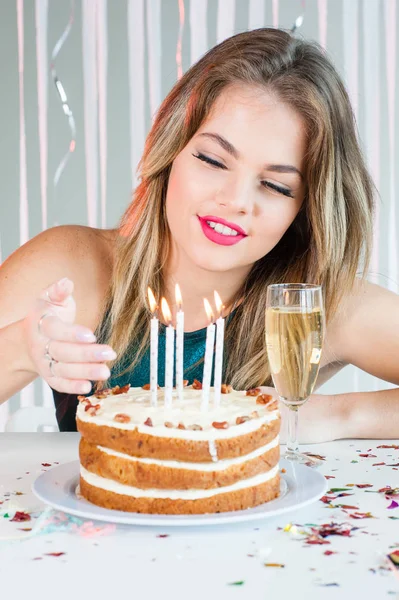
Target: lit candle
[169, 353]
[153, 349]
[210, 340]
[179, 343]
[219, 350]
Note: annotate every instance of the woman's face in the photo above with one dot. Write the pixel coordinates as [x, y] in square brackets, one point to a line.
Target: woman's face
[238, 184]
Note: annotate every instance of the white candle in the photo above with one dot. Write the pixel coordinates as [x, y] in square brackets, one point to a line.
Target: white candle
[179, 343]
[169, 354]
[219, 351]
[153, 350]
[208, 361]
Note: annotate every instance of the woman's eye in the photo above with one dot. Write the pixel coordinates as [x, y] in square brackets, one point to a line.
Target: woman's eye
[210, 161]
[277, 188]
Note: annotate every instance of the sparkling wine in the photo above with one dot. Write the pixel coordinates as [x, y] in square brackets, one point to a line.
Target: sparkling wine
[294, 338]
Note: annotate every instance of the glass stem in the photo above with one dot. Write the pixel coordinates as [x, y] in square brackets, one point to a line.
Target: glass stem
[292, 442]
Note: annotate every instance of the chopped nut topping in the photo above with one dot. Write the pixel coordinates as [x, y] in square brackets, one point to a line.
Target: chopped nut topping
[89, 405]
[122, 418]
[148, 422]
[195, 427]
[83, 399]
[220, 424]
[101, 394]
[92, 410]
[240, 420]
[272, 405]
[147, 386]
[253, 392]
[120, 390]
[168, 424]
[263, 398]
[197, 385]
[181, 426]
[226, 388]
[254, 414]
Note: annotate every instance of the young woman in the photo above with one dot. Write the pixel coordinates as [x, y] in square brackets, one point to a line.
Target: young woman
[251, 175]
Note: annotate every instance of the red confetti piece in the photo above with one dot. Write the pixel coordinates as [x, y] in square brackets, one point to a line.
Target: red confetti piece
[46, 464]
[346, 506]
[329, 476]
[378, 464]
[21, 516]
[55, 554]
[361, 486]
[393, 465]
[368, 455]
[327, 499]
[163, 535]
[362, 515]
[393, 504]
[344, 494]
[329, 552]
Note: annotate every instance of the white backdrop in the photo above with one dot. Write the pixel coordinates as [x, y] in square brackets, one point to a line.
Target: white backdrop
[83, 79]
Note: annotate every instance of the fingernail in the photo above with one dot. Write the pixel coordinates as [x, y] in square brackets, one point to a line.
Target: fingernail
[62, 281]
[84, 336]
[106, 354]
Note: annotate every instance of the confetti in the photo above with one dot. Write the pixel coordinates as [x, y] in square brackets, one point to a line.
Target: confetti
[278, 565]
[319, 456]
[394, 518]
[236, 583]
[368, 455]
[393, 504]
[20, 516]
[55, 554]
[329, 584]
[46, 465]
[335, 490]
[378, 464]
[329, 476]
[362, 486]
[362, 515]
[163, 535]
[25, 528]
[393, 446]
[329, 552]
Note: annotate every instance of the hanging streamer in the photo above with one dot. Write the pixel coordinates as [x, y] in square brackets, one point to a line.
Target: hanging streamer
[390, 56]
[198, 29]
[136, 38]
[225, 19]
[41, 18]
[102, 68]
[180, 40]
[154, 33]
[256, 15]
[299, 20]
[322, 9]
[63, 96]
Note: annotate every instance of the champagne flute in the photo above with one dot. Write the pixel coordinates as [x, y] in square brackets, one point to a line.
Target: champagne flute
[294, 339]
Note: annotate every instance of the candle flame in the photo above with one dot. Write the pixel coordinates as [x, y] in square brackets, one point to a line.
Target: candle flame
[179, 300]
[151, 300]
[167, 315]
[218, 303]
[208, 310]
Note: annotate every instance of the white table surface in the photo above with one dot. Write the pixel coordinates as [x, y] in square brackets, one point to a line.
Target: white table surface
[132, 562]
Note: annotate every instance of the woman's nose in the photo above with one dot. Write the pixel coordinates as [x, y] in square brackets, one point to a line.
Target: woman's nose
[237, 195]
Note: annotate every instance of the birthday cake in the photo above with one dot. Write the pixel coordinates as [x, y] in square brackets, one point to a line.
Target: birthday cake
[142, 458]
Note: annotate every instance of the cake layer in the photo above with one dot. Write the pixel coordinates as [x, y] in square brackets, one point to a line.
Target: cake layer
[242, 495]
[146, 445]
[150, 473]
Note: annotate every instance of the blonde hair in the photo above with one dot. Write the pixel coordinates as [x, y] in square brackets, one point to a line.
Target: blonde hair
[326, 243]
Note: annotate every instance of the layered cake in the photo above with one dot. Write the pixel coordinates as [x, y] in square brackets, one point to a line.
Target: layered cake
[184, 460]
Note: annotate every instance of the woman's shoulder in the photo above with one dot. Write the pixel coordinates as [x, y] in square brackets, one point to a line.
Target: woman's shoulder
[364, 326]
[83, 254]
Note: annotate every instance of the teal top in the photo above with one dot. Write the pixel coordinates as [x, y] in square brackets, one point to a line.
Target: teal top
[194, 349]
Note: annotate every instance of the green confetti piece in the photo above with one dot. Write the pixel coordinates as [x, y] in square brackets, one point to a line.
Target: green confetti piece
[394, 518]
[6, 516]
[354, 461]
[334, 490]
[236, 583]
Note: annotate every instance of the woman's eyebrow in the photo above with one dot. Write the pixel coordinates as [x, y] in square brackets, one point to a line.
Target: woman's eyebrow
[228, 146]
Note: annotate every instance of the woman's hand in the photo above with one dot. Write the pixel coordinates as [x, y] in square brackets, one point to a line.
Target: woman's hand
[63, 353]
[319, 419]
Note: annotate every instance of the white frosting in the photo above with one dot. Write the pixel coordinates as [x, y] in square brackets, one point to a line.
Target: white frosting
[136, 403]
[213, 450]
[191, 466]
[193, 494]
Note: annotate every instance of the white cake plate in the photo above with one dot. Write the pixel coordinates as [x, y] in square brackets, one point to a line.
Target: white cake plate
[58, 487]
